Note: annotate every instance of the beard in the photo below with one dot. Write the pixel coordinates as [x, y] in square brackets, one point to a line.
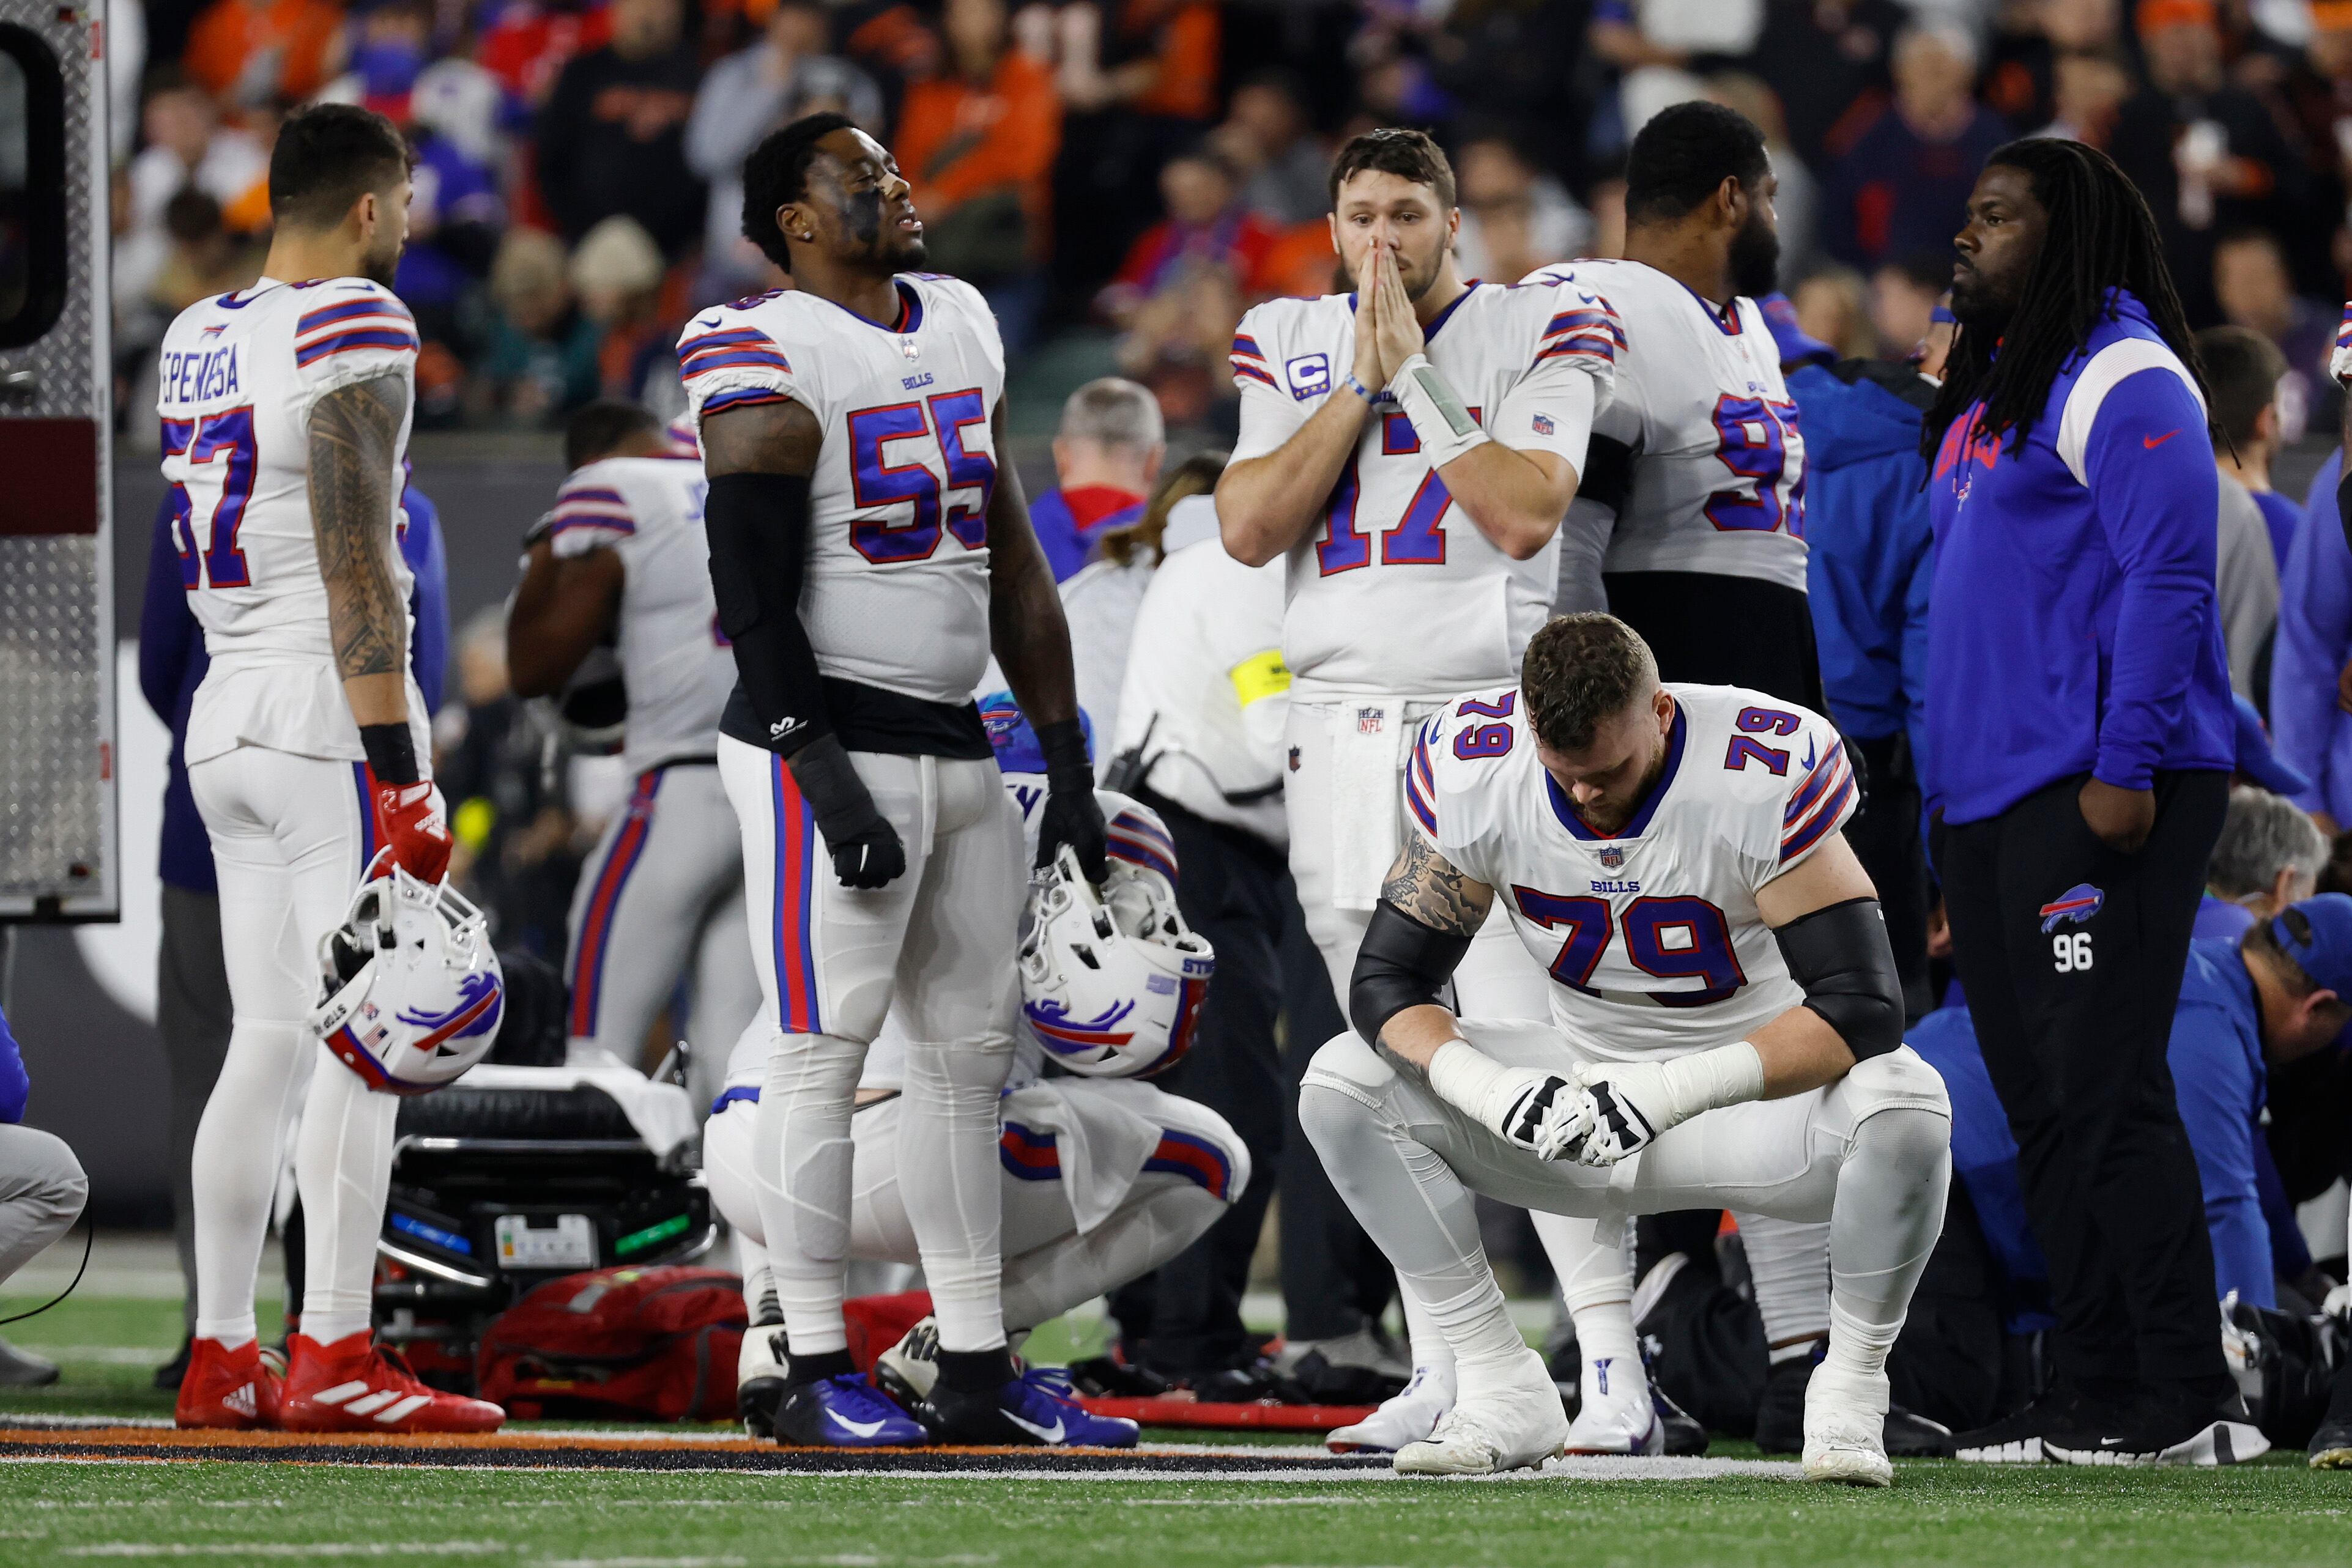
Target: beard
[1979, 302]
[1756, 257]
[383, 266]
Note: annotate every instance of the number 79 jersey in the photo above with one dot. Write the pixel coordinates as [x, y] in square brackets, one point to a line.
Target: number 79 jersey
[897, 594]
[1716, 482]
[1652, 936]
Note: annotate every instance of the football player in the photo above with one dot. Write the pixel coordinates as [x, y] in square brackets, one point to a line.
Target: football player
[1689, 526]
[1672, 853]
[622, 559]
[1102, 1178]
[285, 411]
[1411, 449]
[867, 552]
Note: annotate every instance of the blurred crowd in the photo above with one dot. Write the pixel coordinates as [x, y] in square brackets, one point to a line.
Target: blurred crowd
[1134, 173]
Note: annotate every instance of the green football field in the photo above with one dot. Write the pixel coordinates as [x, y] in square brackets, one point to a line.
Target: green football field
[2274, 1514]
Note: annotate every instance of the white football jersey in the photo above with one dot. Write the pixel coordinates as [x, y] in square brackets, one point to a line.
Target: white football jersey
[897, 594]
[1650, 937]
[1718, 465]
[674, 660]
[1397, 593]
[237, 378]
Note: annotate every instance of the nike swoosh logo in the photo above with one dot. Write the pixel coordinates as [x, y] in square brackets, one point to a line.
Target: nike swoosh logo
[1043, 1434]
[2153, 441]
[1811, 746]
[856, 1428]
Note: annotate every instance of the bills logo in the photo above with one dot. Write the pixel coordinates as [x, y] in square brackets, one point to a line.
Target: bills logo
[1370, 721]
[1612, 855]
[1542, 423]
[2075, 905]
[1309, 376]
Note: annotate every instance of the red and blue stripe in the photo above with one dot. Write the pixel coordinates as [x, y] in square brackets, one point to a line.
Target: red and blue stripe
[593, 506]
[793, 919]
[1029, 1153]
[1819, 804]
[595, 941]
[1592, 330]
[741, 397]
[1420, 784]
[1246, 347]
[1139, 840]
[1194, 1158]
[375, 321]
[1244, 370]
[364, 782]
[736, 348]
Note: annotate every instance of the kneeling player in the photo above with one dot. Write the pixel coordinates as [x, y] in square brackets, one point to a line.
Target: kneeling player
[1673, 854]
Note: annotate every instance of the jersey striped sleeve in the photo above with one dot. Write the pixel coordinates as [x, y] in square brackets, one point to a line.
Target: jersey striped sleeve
[732, 365]
[1419, 780]
[1824, 797]
[1249, 362]
[351, 330]
[590, 513]
[1585, 325]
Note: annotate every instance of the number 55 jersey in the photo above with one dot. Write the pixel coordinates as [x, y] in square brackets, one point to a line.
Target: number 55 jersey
[236, 381]
[1698, 465]
[1651, 934]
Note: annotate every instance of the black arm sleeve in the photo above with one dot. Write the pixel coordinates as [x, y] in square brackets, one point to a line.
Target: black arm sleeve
[1841, 955]
[759, 529]
[1402, 963]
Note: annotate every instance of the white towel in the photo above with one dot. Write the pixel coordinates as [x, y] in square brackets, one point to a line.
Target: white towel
[1368, 748]
[1104, 1131]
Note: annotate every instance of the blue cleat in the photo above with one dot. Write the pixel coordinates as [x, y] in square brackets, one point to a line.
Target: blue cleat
[844, 1412]
[1039, 1407]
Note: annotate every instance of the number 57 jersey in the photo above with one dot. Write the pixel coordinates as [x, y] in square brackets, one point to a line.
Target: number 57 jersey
[1651, 934]
[236, 381]
[897, 592]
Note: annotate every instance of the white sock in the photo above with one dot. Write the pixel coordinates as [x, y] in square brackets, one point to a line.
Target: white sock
[1789, 1259]
[1588, 1257]
[240, 1149]
[1890, 1201]
[1487, 1350]
[759, 1281]
[1426, 1339]
[342, 1169]
[949, 1180]
[801, 1161]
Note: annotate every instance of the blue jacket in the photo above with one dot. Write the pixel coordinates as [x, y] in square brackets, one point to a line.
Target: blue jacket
[2076, 628]
[2284, 520]
[172, 666]
[1066, 544]
[1870, 549]
[2314, 640]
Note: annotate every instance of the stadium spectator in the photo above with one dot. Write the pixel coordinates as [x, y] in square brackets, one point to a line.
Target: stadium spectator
[529, 42]
[1826, 61]
[458, 211]
[1207, 227]
[2255, 289]
[1834, 307]
[542, 358]
[977, 141]
[612, 138]
[1155, 59]
[1904, 294]
[2088, 90]
[1899, 188]
[2206, 155]
[788, 73]
[1515, 217]
[2311, 660]
[2244, 371]
[1797, 197]
[186, 145]
[205, 258]
[2269, 855]
[42, 1190]
[248, 53]
[1660, 46]
[616, 275]
[1266, 137]
[1867, 574]
[1106, 458]
[391, 48]
[2102, 785]
[2246, 583]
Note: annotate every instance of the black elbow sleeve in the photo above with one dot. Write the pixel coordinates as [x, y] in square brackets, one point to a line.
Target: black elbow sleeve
[1841, 956]
[1401, 963]
[758, 525]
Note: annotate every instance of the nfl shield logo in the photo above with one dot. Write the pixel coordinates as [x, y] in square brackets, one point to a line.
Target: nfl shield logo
[1369, 720]
[1543, 425]
[906, 346]
[1612, 856]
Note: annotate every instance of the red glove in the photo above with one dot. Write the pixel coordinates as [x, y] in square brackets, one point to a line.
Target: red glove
[409, 828]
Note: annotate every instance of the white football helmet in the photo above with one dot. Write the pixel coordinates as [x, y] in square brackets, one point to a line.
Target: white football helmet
[1111, 978]
[413, 994]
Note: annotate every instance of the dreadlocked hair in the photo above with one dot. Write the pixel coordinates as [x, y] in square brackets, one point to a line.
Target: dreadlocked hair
[2101, 237]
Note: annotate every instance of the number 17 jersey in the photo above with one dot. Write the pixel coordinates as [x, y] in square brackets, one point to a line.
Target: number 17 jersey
[1651, 935]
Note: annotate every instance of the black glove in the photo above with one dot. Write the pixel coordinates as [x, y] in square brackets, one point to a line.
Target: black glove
[866, 853]
[1073, 816]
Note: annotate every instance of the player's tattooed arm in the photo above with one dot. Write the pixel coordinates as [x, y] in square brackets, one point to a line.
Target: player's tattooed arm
[354, 439]
[1427, 885]
[1026, 625]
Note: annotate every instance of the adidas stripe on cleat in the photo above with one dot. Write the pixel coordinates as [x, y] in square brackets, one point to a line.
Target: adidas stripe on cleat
[229, 1390]
[353, 1385]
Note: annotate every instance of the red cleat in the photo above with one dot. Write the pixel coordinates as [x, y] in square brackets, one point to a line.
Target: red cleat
[355, 1386]
[230, 1390]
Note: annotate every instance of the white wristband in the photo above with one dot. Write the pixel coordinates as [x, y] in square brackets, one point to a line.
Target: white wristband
[1439, 416]
[1709, 1079]
[1473, 1083]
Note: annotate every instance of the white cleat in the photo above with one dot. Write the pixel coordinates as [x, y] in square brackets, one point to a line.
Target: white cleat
[908, 1370]
[1408, 1418]
[1845, 1429]
[1513, 1427]
[1617, 1415]
[760, 1378]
